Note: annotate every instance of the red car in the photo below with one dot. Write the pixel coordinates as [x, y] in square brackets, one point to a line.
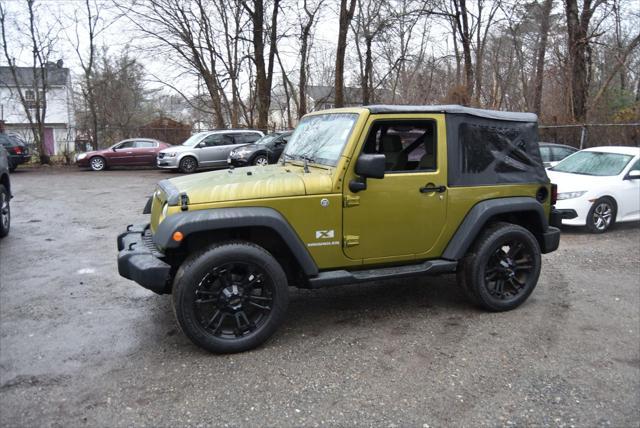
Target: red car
[133, 152]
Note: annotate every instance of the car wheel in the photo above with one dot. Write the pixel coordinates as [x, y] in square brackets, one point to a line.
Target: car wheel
[602, 215]
[188, 164]
[261, 160]
[231, 297]
[5, 211]
[97, 163]
[502, 269]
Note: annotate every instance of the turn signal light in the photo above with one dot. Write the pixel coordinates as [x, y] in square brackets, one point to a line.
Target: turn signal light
[178, 236]
[554, 193]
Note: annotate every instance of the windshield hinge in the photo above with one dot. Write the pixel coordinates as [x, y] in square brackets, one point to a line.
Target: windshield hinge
[351, 240]
[184, 201]
[351, 201]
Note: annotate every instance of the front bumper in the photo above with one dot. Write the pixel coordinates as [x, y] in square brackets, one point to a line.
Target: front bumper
[140, 261]
[238, 161]
[167, 162]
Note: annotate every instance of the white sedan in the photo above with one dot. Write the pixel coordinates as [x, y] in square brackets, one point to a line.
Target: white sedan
[602, 186]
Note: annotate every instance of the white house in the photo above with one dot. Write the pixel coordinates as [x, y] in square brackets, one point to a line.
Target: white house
[59, 136]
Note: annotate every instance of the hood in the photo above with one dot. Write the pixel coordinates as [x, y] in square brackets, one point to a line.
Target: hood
[177, 149]
[237, 184]
[568, 182]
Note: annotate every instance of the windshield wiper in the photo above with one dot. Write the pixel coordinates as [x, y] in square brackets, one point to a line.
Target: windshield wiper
[286, 156]
[306, 160]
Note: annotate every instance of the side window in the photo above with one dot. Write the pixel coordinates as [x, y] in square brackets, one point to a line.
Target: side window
[145, 144]
[560, 153]
[125, 145]
[545, 153]
[212, 140]
[408, 145]
[250, 137]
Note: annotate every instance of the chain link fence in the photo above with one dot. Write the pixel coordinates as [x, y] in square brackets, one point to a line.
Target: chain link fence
[592, 135]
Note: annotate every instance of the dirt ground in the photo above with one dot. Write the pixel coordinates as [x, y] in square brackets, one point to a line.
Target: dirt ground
[81, 346]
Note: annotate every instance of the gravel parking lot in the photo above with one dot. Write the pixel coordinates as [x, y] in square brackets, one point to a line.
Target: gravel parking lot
[81, 346]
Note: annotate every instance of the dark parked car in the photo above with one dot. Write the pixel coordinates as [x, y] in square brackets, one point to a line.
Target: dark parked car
[17, 150]
[5, 193]
[263, 152]
[133, 152]
[553, 153]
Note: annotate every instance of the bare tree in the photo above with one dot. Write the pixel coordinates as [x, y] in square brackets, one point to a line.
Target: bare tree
[541, 52]
[311, 12]
[347, 9]
[42, 41]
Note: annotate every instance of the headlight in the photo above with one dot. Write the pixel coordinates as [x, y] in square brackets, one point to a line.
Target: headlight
[81, 156]
[570, 195]
[172, 154]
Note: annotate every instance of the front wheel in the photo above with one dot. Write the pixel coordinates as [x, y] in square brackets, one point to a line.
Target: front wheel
[231, 297]
[5, 211]
[502, 268]
[188, 164]
[261, 160]
[601, 216]
[97, 163]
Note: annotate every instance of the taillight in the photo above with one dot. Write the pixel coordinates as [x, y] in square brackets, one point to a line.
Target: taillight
[554, 193]
[17, 150]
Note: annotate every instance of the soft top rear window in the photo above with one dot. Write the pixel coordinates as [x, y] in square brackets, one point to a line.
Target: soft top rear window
[486, 152]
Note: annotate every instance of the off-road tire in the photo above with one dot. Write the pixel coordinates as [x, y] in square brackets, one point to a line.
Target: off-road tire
[188, 164]
[98, 163]
[261, 160]
[602, 215]
[478, 269]
[207, 267]
[5, 211]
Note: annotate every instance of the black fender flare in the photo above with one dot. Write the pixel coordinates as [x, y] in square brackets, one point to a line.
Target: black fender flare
[232, 218]
[478, 216]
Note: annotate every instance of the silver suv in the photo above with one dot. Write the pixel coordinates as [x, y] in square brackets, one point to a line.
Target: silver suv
[205, 149]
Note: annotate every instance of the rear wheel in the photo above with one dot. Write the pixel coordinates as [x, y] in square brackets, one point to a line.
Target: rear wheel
[502, 269]
[97, 163]
[231, 297]
[601, 216]
[5, 211]
[188, 164]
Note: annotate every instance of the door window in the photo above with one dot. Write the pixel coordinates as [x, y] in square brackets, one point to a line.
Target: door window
[125, 145]
[560, 153]
[144, 144]
[407, 145]
[212, 140]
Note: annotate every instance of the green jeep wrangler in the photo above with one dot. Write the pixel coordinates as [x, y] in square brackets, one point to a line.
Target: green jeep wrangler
[359, 194]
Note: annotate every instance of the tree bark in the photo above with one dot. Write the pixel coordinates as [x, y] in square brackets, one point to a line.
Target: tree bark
[540, 54]
[346, 15]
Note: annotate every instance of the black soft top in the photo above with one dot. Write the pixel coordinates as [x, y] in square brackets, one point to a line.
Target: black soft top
[456, 109]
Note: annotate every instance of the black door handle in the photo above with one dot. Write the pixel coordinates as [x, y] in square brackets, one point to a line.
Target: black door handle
[428, 189]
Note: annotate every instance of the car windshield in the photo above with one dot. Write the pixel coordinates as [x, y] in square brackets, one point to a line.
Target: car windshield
[320, 138]
[594, 163]
[267, 139]
[193, 140]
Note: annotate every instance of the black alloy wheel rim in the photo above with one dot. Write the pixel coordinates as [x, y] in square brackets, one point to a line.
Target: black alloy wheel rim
[508, 270]
[4, 210]
[233, 300]
[188, 164]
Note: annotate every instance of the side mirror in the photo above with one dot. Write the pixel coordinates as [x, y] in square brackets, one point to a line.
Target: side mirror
[367, 166]
[633, 175]
[114, 148]
[370, 166]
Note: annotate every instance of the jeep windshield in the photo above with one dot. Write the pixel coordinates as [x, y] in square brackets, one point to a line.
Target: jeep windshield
[593, 163]
[320, 138]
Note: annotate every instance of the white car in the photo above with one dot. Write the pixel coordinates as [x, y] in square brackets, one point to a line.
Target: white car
[598, 187]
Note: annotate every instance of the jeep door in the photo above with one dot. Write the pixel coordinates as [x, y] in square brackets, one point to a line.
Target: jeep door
[401, 216]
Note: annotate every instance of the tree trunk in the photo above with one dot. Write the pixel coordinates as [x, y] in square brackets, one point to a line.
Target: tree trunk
[540, 54]
[367, 78]
[578, 40]
[346, 14]
[302, 81]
